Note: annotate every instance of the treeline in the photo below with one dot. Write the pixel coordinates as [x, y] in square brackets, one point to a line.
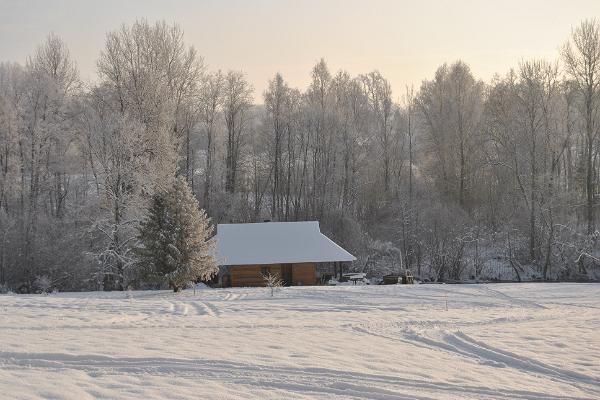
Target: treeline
[459, 179]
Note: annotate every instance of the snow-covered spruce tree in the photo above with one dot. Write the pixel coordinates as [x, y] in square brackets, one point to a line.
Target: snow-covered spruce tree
[154, 239]
[175, 244]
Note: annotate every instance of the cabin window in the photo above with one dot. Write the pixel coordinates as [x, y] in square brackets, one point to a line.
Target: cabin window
[265, 270]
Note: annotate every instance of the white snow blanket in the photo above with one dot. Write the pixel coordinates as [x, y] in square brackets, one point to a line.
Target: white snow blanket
[503, 341]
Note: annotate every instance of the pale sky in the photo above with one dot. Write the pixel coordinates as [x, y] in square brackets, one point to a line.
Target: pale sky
[405, 40]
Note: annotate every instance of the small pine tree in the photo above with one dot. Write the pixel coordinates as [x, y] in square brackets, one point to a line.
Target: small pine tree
[174, 238]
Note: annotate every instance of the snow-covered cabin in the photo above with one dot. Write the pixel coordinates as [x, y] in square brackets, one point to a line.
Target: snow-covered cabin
[247, 252]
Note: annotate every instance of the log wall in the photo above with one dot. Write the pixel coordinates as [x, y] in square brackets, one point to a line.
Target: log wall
[252, 275]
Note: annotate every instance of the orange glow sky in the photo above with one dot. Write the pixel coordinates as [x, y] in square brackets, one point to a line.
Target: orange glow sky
[404, 40]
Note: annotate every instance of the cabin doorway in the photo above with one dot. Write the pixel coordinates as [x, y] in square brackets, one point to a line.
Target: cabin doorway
[286, 274]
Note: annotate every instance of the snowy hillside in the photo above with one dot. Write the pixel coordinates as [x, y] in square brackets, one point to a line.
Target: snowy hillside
[505, 341]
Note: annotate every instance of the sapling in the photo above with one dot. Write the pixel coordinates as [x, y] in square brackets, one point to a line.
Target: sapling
[273, 281]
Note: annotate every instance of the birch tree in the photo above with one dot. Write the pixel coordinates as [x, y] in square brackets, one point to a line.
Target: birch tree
[211, 101]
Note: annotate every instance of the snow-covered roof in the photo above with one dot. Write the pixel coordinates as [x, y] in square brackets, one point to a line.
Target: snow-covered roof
[276, 243]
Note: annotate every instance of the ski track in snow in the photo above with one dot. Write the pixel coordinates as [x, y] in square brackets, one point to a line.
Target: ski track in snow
[372, 386]
[510, 341]
[462, 344]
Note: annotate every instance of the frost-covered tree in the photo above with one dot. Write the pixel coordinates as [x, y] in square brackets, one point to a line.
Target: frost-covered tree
[123, 176]
[379, 95]
[450, 108]
[582, 61]
[175, 243]
[153, 76]
[464, 176]
[210, 102]
[37, 139]
[237, 100]
[273, 282]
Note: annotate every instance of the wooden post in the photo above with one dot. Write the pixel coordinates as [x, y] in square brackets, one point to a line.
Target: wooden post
[335, 269]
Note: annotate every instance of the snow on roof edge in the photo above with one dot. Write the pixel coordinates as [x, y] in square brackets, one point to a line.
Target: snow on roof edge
[338, 246]
[263, 243]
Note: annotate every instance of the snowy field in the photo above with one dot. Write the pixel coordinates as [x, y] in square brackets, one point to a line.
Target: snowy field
[503, 341]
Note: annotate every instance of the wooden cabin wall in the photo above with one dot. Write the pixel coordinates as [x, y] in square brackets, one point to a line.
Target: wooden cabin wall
[251, 275]
[304, 274]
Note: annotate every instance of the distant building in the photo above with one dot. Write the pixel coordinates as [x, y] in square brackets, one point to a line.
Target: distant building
[247, 252]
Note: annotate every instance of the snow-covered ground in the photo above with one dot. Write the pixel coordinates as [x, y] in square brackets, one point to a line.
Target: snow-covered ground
[506, 341]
